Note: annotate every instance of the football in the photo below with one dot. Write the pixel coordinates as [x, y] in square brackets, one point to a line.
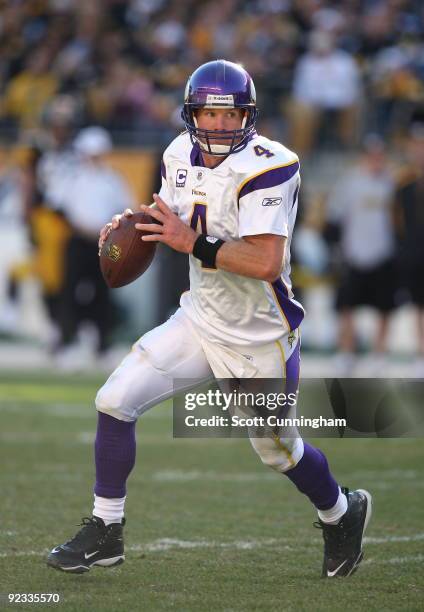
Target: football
[124, 256]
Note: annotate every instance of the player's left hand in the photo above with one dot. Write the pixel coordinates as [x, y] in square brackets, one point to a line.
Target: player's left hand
[170, 230]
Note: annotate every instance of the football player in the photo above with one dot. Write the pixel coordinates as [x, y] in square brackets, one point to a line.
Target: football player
[229, 200]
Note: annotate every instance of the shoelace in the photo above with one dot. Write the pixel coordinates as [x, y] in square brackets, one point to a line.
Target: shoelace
[87, 523]
[335, 538]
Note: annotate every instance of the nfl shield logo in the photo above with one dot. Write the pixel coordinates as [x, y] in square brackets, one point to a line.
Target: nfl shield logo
[199, 175]
[114, 252]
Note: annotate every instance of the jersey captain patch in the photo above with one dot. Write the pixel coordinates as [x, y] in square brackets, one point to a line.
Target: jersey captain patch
[181, 177]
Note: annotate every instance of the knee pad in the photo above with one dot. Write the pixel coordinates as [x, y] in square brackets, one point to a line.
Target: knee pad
[109, 400]
[134, 387]
[280, 454]
[119, 396]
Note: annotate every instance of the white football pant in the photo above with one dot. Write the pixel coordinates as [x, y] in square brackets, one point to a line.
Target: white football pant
[163, 361]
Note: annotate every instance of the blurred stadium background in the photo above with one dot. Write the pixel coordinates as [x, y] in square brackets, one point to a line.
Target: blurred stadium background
[342, 83]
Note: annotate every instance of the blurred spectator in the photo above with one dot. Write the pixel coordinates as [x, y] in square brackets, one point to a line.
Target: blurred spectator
[46, 181]
[96, 194]
[30, 90]
[397, 77]
[326, 80]
[57, 162]
[14, 240]
[122, 98]
[410, 209]
[360, 205]
[144, 48]
[310, 250]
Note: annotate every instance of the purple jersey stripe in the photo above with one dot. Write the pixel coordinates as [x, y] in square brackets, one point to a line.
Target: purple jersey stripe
[163, 169]
[269, 178]
[292, 312]
[196, 158]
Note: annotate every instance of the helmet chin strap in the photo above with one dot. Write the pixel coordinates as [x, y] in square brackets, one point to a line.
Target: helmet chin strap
[216, 148]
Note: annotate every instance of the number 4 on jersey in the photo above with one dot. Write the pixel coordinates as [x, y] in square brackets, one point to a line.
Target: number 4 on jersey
[262, 151]
[199, 214]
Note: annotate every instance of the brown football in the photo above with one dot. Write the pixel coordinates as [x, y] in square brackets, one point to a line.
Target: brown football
[124, 255]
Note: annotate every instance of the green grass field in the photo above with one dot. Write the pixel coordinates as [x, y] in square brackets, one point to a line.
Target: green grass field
[209, 527]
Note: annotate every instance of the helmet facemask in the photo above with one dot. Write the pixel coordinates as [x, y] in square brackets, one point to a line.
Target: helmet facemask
[236, 139]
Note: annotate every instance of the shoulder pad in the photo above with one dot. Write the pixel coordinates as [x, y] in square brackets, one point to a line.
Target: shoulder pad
[264, 163]
[180, 147]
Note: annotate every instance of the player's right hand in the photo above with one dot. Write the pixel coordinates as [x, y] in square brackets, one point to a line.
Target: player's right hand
[106, 229]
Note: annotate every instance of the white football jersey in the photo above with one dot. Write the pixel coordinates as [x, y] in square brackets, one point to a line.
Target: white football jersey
[251, 192]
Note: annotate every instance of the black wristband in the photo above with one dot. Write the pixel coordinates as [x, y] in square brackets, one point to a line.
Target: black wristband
[206, 247]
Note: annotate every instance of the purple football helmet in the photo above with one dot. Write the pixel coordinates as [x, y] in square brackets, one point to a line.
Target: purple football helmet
[220, 84]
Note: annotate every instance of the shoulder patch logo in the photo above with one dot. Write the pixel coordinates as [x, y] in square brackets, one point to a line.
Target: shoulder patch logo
[181, 177]
[271, 201]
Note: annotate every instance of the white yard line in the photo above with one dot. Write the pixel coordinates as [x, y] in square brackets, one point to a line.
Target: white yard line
[418, 537]
[58, 473]
[395, 560]
[54, 409]
[187, 476]
[386, 477]
[24, 553]
[393, 474]
[166, 544]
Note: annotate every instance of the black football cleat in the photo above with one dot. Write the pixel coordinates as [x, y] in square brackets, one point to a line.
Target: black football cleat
[343, 542]
[94, 544]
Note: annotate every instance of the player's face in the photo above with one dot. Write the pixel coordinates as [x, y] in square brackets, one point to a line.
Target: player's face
[217, 119]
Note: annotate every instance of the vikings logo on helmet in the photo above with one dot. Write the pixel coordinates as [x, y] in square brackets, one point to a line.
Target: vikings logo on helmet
[220, 84]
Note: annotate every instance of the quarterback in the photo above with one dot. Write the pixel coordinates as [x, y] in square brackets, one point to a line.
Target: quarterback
[229, 200]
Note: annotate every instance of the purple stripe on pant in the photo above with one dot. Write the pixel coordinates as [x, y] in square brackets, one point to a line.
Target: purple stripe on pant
[293, 370]
[293, 312]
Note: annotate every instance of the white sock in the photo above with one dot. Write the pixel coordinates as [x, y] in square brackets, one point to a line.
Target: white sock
[333, 515]
[109, 510]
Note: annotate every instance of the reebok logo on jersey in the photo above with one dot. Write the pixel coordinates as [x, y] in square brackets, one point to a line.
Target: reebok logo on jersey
[199, 193]
[181, 177]
[271, 201]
